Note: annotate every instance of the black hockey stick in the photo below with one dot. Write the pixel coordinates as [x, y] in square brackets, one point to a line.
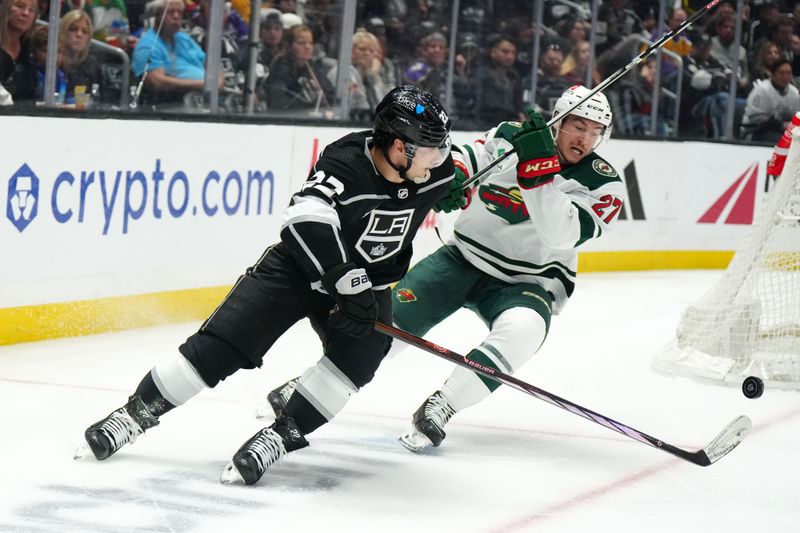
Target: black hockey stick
[609, 80]
[727, 440]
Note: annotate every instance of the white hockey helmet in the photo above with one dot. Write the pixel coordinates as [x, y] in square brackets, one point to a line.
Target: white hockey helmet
[595, 108]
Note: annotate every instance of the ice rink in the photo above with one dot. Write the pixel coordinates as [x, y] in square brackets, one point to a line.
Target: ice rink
[512, 463]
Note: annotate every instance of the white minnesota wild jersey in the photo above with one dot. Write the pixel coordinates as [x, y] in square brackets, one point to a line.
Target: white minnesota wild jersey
[531, 235]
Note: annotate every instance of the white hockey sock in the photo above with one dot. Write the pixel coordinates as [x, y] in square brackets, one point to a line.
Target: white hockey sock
[326, 388]
[177, 380]
[516, 336]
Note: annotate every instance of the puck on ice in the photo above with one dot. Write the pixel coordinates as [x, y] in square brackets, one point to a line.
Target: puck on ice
[753, 387]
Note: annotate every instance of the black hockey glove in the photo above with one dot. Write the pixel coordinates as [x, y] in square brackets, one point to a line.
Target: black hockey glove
[356, 310]
[457, 197]
[536, 152]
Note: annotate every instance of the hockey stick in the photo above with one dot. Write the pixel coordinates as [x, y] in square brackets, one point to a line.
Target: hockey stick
[727, 440]
[609, 80]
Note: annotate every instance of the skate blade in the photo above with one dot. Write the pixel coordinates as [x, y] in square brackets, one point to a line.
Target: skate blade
[82, 451]
[230, 476]
[415, 441]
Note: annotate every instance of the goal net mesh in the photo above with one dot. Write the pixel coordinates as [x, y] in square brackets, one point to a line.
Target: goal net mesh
[748, 324]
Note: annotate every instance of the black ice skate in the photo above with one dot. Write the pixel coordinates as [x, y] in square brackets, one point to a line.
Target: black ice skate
[119, 428]
[278, 398]
[428, 423]
[263, 450]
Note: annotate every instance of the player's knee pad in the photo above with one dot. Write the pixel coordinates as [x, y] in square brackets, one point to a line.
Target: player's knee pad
[326, 388]
[213, 358]
[516, 335]
[177, 380]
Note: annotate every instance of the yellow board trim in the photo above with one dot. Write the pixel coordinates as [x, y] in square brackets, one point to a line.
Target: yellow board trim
[672, 260]
[86, 317]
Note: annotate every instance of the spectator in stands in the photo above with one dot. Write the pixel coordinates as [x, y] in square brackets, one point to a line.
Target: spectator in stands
[705, 92]
[576, 63]
[366, 50]
[724, 46]
[235, 31]
[81, 69]
[499, 85]
[295, 81]
[429, 71]
[39, 50]
[680, 44]
[17, 68]
[172, 63]
[771, 104]
[365, 89]
[571, 31]
[767, 13]
[781, 33]
[768, 53]
[615, 21]
[387, 67]
[632, 117]
[551, 84]
[271, 34]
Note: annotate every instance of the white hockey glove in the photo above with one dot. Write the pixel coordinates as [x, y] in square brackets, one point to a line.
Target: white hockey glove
[356, 310]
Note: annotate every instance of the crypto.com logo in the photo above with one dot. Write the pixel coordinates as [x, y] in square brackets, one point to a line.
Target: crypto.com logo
[23, 196]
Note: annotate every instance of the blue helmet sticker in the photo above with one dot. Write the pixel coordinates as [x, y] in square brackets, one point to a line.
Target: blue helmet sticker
[420, 109]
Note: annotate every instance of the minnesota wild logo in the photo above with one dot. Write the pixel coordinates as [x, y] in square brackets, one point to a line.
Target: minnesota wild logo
[601, 167]
[405, 295]
[505, 203]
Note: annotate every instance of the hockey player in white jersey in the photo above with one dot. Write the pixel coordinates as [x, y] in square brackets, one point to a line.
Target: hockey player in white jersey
[514, 253]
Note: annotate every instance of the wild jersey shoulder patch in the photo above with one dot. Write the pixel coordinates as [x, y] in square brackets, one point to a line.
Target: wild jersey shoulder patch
[603, 168]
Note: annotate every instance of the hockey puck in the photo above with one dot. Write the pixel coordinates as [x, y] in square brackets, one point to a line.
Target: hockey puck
[753, 387]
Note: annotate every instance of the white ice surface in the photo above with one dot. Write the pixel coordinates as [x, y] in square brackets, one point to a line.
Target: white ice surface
[512, 463]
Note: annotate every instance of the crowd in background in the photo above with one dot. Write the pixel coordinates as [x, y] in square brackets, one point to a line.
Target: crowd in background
[407, 41]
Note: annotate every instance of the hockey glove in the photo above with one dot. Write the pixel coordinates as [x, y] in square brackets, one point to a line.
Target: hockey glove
[356, 310]
[536, 152]
[457, 196]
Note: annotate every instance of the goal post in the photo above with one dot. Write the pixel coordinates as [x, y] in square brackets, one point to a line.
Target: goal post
[748, 323]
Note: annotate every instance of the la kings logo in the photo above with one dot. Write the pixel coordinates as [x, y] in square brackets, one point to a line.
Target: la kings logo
[385, 233]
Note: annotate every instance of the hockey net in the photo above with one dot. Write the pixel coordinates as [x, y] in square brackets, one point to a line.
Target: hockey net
[748, 324]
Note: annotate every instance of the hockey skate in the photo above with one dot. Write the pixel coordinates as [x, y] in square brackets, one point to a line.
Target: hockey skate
[428, 423]
[277, 399]
[119, 428]
[263, 450]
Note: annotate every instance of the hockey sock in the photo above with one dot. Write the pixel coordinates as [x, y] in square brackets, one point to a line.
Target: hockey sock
[516, 335]
[323, 390]
[152, 397]
[170, 383]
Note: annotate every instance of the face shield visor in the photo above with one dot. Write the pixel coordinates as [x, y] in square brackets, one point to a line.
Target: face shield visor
[424, 158]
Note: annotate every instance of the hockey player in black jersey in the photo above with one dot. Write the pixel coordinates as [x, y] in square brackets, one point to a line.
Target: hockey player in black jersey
[346, 237]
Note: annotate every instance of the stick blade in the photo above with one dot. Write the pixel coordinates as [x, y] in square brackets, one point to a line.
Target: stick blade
[728, 439]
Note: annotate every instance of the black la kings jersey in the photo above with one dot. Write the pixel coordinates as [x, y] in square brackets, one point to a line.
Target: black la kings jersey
[347, 212]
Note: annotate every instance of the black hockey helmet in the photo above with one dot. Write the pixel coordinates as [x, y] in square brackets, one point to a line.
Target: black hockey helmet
[412, 115]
